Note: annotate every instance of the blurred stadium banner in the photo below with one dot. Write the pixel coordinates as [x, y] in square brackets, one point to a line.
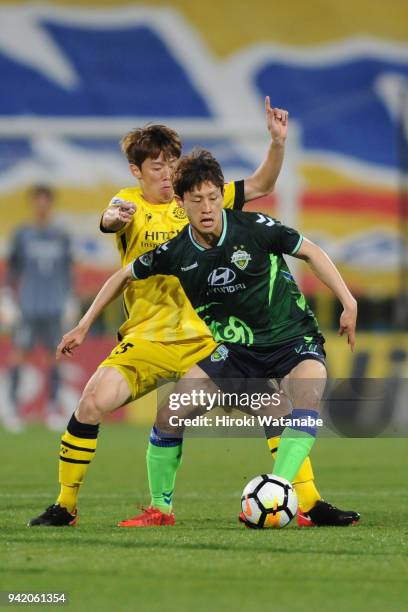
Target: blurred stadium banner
[382, 356]
[77, 79]
[33, 393]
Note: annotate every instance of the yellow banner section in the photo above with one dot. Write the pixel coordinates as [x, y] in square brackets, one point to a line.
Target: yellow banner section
[224, 23]
[70, 201]
[350, 225]
[376, 356]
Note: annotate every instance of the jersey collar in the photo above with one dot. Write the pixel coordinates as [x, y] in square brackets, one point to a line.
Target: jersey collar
[220, 240]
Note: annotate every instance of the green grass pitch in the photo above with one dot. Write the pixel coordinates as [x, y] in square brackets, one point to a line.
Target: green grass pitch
[207, 562]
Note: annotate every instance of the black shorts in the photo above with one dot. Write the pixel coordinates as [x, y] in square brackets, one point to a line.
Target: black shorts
[234, 361]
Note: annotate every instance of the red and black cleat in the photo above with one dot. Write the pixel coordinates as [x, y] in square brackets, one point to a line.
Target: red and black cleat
[324, 514]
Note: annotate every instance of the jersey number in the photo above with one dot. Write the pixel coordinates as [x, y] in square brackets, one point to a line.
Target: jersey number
[123, 348]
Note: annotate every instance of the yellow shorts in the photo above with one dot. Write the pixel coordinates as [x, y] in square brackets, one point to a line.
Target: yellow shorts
[143, 363]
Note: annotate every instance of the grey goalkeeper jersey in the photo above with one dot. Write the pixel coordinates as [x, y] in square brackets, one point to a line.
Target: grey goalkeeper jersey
[39, 265]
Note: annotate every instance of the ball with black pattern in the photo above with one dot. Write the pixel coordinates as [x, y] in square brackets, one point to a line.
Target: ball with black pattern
[269, 502]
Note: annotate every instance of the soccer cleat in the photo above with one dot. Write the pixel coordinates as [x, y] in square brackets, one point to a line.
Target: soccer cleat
[324, 514]
[55, 516]
[149, 517]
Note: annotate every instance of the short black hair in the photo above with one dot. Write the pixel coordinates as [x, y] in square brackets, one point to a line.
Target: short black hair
[39, 190]
[149, 142]
[199, 167]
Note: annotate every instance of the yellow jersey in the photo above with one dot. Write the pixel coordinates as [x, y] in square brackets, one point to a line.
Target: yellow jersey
[157, 308]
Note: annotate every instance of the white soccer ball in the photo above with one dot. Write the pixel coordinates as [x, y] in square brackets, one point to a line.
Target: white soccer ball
[269, 501]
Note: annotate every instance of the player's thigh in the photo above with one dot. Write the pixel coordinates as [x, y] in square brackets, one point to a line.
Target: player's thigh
[189, 398]
[193, 351]
[305, 384]
[143, 364]
[105, 391]
[194, 384]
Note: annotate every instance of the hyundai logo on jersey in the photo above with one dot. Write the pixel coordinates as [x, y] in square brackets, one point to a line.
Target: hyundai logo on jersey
[221, 276]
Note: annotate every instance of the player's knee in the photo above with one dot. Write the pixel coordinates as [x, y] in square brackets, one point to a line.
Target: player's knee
[308, 393]
[308, 398]
[307, 384]
[89, 411]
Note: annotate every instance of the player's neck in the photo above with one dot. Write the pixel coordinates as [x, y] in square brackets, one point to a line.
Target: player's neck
[42, 223]
[150, 198]
[207, 240]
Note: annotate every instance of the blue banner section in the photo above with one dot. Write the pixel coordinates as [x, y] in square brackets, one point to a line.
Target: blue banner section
[19, 151]
[122, 72]
[345, 97]
[338, 105]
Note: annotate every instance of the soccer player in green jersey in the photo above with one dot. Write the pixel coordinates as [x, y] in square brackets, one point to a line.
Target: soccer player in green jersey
[231, 267]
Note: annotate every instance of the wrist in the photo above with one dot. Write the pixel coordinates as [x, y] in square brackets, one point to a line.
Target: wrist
[84, 325]
[350, 304]
[278, 141]
[110, 218]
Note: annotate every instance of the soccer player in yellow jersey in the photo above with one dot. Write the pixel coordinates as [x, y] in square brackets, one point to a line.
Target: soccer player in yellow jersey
[163, 336]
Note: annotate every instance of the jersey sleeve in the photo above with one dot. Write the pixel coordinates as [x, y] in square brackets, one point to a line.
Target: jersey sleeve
[153, 262]
[275, 237]
[234, 195]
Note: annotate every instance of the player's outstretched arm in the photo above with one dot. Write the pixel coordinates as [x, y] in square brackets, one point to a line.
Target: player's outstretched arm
[113, 287]
[118, 214]
[265, 176]
[326, 271]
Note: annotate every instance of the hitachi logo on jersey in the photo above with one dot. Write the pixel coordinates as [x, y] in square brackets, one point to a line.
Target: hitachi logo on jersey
[160, 236]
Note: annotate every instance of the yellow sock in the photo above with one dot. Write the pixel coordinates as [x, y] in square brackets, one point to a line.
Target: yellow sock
[303, 483]
[76, 453]
[68, 497]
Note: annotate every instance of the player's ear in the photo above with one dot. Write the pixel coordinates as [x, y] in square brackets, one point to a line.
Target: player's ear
[135, 170]
[179, 200]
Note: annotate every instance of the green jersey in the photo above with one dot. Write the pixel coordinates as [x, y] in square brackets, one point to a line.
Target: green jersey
[242, 287]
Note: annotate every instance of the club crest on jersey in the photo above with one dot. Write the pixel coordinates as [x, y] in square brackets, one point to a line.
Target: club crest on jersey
[240, 258]
[179, 213]
[220, 353]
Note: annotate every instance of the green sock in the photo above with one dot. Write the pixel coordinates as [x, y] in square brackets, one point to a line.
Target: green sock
[162, 465]
[293, 449]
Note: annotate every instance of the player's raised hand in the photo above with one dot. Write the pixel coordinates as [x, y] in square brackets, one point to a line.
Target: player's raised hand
[348, 320]
[70, 341]
[276, 121]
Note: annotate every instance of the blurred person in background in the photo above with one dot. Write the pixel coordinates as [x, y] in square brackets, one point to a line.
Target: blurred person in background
[38, 282]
